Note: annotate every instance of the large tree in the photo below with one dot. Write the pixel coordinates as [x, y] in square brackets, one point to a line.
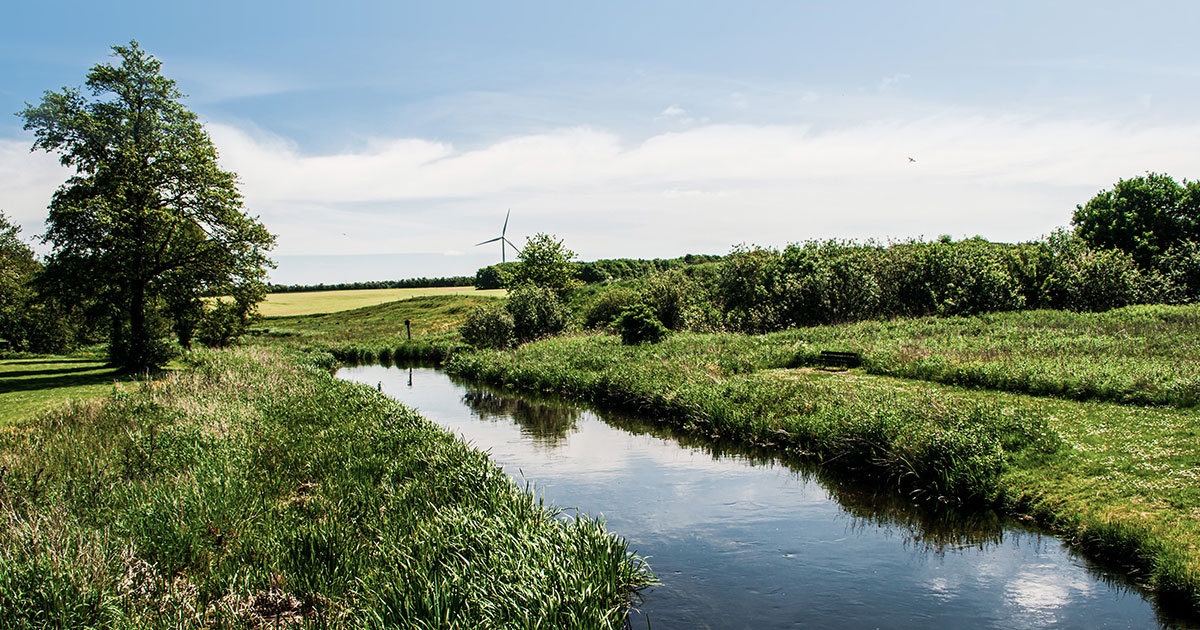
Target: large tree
[1143, 216]
[149, 222]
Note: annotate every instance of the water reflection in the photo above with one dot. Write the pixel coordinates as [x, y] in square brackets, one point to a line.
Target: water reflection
[742, 537]
[546, 424]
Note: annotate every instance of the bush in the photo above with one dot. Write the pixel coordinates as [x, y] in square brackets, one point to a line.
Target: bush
[637, 324]
[536, 313]
[220, 326]
[488, 327]
[608, 305]
[1086, 279]
[670, 295]
[1180, 270]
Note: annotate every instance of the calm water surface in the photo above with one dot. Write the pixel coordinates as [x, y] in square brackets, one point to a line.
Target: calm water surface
[744, 540]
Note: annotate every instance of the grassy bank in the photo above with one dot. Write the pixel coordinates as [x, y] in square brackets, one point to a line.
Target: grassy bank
[255, 489]
[311, 302]
[1139, 354]
[1117, 481]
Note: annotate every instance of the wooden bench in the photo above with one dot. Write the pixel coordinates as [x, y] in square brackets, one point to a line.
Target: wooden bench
[829, 358]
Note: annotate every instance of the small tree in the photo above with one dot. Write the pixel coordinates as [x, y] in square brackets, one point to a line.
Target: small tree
[545, 262]
[637, 324]
[149, 221]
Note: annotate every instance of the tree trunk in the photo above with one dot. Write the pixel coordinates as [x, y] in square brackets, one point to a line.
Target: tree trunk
[138, 356]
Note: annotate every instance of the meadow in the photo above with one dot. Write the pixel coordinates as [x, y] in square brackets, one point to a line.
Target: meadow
[149, 507]
[310, 302]
[1144, 355]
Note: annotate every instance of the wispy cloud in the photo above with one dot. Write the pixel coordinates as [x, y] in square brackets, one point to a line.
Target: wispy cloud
[889, 82]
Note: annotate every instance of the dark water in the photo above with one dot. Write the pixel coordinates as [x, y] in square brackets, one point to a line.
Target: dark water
[742, 539]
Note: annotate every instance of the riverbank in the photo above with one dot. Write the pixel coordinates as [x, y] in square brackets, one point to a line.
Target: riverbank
[1116, 481]
[255, 488]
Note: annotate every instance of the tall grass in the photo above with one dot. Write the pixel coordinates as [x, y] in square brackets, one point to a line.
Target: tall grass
[257, 490]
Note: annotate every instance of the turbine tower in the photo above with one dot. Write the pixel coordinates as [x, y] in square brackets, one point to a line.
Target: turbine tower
[502, 239]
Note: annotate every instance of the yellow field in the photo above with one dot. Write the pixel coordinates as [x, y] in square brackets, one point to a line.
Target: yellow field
[310, 302]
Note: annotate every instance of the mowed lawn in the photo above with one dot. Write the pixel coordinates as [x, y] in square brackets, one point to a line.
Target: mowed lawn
[311, 302]
[29, 385]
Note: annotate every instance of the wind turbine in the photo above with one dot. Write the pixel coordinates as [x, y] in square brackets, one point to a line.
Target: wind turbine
[502, 239]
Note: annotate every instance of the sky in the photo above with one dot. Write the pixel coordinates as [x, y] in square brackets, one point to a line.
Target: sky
[383, 140]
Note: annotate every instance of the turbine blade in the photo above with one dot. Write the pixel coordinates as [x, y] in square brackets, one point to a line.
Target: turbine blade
[490, 240]
[505, 229]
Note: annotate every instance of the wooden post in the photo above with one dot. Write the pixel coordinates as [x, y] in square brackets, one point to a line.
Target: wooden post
[408, 327]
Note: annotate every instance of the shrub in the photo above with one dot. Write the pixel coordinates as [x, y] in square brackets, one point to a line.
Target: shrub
[637, 324]
[536, 313]
[220, 326]
[608, 305]
[488, 327]
[669, 294]
[1180, 269]
[1086, 279]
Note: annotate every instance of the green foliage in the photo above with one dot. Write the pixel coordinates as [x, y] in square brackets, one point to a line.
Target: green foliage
[607, 305]
[255, 489]
[536, 313]
[610, 269]
[1143, 216]
[488, 327]
[546, 263]
[669, 296]
[494, 276]
[1180, 272]
[637, 324]
[149, 215]
[1088, 279]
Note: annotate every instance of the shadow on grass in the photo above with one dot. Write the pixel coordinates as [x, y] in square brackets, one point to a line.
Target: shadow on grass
[68, 370]
[8, 385]
[53, 360]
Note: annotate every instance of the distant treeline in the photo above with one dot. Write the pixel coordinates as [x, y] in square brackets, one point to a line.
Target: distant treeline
[409, 283]
[496, 276]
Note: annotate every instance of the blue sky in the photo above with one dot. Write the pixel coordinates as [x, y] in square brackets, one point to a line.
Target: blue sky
[364, 130]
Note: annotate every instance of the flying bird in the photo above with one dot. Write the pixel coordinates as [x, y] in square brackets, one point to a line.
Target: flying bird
[912, 159]
[502, 239]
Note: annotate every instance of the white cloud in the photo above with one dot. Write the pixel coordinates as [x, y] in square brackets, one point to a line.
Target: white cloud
[700, 189]
[674, 111]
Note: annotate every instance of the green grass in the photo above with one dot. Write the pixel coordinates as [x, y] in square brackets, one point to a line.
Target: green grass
[28, 385]
[254, 489]
[1147, 355]
[1117, 481]
[310, 302]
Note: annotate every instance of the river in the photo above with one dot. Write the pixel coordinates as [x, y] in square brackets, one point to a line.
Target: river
[745, 539]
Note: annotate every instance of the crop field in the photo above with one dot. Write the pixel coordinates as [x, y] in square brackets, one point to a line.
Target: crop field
[254, 489]
[309, 302]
